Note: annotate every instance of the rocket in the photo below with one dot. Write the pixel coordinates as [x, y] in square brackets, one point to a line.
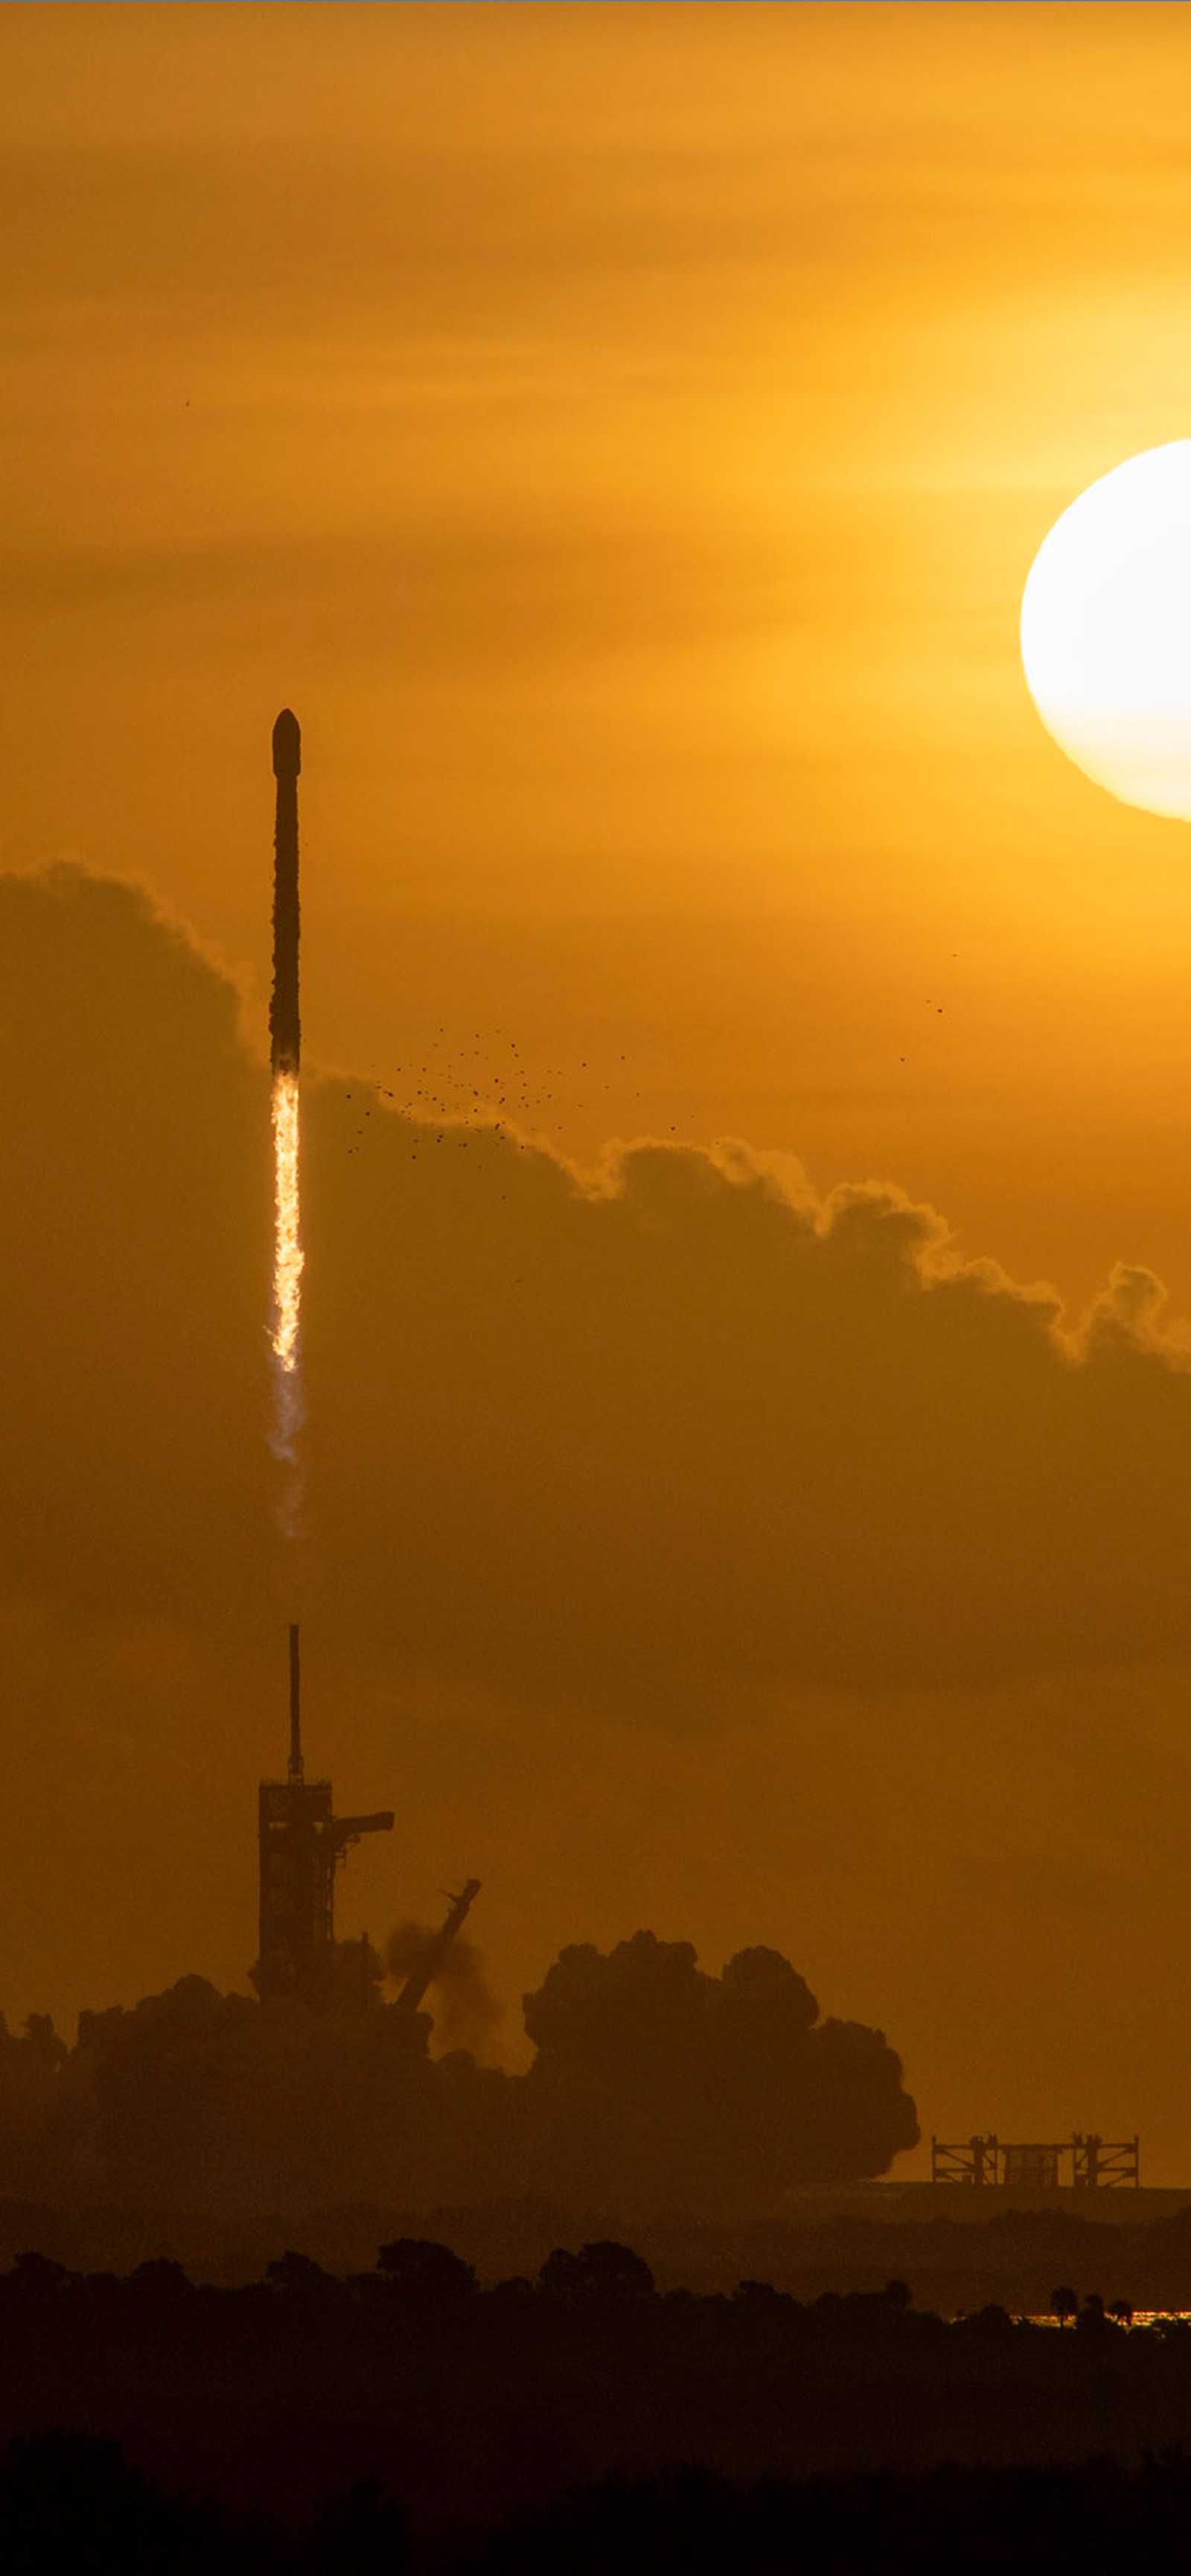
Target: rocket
[285, 1029]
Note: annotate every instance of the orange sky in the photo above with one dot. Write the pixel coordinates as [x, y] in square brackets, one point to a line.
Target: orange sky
[623, 433]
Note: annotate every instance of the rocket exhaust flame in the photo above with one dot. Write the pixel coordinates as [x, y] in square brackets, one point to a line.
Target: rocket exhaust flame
[285, 1331]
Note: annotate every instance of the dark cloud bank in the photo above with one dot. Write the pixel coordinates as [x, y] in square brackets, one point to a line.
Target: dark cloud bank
[655, 1441]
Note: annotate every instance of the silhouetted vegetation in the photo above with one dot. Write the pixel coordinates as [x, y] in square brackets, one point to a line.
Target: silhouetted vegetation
[1097, 2517]
[956, 2264]
[66, 2496]
[404, 2416]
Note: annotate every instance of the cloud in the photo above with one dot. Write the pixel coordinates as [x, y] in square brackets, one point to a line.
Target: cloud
[661, 2087]
[683, 1434]
[660, 1440]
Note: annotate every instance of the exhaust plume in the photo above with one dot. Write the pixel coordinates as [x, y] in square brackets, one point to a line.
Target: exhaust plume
[286, 1330]
[466, 2008]
[285, 1037]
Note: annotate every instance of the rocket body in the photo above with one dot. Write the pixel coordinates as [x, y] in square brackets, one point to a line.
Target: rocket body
[285, 1027]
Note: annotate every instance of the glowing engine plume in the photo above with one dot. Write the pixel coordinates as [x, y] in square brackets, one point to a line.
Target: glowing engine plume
[286, 1331]
[286, 1049]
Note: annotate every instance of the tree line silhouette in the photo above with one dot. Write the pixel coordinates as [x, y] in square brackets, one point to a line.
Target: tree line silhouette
[427, 2421]
[63, 2497]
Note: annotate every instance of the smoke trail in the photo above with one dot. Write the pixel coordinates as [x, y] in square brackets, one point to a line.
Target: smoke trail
[466, 2010]
[289, 1408]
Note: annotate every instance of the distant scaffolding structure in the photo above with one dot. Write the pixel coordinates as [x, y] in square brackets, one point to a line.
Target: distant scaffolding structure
[1082, 2162]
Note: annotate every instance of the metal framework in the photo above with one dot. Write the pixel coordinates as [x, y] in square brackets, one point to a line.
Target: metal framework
[1083, 2162]
[1101, 2165]
[427, 1967]
[302, 1843]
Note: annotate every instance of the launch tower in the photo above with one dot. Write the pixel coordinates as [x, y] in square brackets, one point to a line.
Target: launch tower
[302, 1842]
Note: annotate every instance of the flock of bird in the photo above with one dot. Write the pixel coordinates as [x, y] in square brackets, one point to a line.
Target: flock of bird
[488, 1087]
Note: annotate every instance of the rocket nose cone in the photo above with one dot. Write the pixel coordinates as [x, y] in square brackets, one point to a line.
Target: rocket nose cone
[287, 745]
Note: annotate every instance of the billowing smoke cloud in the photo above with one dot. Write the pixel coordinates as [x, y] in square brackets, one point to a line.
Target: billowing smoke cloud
[659, 2086]
[654, 2086]
[466, 2011]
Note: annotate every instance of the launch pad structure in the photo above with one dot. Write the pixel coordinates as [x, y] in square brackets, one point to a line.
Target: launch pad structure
[302, 1844]
[1082, 2162]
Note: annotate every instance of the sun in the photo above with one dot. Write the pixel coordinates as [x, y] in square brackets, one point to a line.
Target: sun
[1106, 630]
